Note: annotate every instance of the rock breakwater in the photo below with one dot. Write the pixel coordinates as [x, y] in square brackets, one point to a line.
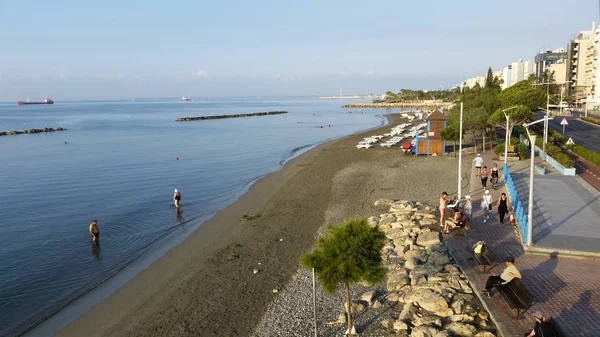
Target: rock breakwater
[30, 131]
[203, 118]
[427, 105]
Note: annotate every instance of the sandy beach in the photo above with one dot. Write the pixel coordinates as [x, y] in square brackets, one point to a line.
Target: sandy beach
[206, 286]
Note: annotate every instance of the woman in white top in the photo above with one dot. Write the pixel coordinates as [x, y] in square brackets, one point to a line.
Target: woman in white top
[486, 205]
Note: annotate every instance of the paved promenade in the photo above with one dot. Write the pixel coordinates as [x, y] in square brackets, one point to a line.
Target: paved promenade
[564, 288]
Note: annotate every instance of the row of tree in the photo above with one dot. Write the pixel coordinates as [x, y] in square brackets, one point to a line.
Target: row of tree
[484, 108]
[408, 95]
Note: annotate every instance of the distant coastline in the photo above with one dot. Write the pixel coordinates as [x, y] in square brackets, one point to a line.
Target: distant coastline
[425, 104]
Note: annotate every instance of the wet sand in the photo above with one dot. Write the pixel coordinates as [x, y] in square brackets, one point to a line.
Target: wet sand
[206, 285]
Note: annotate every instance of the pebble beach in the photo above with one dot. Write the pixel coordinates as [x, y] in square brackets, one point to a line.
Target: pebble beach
[235, 275]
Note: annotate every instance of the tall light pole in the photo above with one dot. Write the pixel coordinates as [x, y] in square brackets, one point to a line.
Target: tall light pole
[531, 173]
[459, 188]
[547, 112]
[507, 133]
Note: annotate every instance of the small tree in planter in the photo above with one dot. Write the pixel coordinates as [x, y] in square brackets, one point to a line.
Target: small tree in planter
[517, 116]
[347, 254]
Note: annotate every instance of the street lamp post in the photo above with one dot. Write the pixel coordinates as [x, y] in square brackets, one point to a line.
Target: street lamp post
[531, 173]
[459, 188]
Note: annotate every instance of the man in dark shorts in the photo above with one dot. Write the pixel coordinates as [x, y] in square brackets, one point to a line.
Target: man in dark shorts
[94, 232]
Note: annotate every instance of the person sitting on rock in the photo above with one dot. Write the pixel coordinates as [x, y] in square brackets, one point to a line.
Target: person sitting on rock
[459, 220]
[508, 274]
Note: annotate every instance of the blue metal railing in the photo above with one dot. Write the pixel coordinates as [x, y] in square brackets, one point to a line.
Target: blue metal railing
[520, 215]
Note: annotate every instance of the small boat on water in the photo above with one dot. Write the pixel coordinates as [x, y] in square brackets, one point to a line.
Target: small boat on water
[27, 102]
[186, 99]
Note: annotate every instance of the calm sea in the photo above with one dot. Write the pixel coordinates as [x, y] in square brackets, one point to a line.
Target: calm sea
[117, 163]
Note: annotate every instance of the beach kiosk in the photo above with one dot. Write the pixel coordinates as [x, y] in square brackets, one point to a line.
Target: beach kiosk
[432, 143]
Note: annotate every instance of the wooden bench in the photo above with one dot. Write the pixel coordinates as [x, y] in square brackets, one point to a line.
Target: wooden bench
[516, 296]
[557, 330]
[485, 259]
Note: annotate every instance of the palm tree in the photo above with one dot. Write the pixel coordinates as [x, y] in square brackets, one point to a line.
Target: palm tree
[347, 254]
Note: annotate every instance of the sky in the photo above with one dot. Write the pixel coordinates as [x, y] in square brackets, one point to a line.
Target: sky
[83, 50]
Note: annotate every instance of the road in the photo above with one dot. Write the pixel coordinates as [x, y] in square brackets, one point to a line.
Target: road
[584, 134]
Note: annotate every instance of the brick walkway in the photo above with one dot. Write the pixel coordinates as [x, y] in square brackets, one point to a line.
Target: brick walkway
[566, 289]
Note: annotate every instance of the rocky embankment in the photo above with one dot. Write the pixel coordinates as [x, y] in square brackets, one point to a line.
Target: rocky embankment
[433, 297]
[30, 131]
[425, 294]
[268, 113]
[427, 105]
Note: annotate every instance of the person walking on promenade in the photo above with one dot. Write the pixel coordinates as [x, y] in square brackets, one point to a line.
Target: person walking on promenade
[176, 198]
[468, 207]
[94, 232]
[502, 207]
[478, 164]
[508, 274]
[484, 177]
[443, 203]
[495, 176]
[486, 205]
[542, 327]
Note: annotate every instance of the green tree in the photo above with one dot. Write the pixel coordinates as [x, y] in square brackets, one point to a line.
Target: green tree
[451, 133]
[390, 97]
[517, 116]
[522, 93]
[489, 79]
[347, 254]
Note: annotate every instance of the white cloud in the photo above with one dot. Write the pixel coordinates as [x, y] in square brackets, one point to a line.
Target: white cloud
[201, 73]
[120, 76]
[370, 72]
[61, 75]
[277, 76]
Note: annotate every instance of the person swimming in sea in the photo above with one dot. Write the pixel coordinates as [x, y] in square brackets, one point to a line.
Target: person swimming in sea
[176, 197]
[94, 232]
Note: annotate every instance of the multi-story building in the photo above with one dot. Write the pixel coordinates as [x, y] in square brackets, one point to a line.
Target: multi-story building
[520, 71]
[471, 82]
[580, 66]
[546, 59]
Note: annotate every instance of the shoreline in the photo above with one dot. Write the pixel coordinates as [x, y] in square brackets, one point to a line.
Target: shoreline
[78, 306]
[205, 285]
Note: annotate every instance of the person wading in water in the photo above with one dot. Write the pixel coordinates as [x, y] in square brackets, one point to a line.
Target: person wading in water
[176, 197]
[94, 232]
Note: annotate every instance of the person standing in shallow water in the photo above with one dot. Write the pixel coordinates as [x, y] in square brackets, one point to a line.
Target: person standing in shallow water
[94, 232]
[176, 197]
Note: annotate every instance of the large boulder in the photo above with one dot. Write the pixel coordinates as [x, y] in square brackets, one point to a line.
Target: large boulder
[399, 326]
[461, 329]
[369, 296]
[408, 312]
[424, 331]
[443, 333]
[428, 300]
[373, 220]
[387, 220]
[416, 252]
[438, 259]
[428, 320]
[424, 270]
[428, 238]
[397, 279]
[411, 263]
[484, 334]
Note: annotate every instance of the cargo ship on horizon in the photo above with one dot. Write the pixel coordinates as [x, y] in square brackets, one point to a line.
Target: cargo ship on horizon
[186, 99]
[45, 101]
